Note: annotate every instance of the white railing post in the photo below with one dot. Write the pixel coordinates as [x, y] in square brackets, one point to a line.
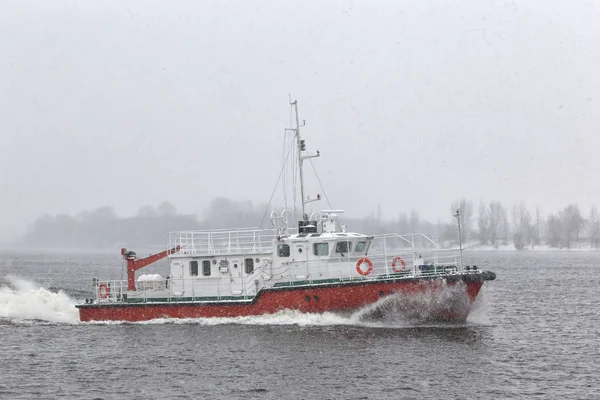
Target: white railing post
[385, 256]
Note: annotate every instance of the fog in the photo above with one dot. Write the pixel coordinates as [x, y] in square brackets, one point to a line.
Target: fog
[412, 104]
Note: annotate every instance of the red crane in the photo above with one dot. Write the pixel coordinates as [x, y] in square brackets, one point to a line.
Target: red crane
[133, 263]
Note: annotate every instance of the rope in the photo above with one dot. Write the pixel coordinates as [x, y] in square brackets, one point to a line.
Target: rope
[275, 188]
[322, 188]
[284, 180]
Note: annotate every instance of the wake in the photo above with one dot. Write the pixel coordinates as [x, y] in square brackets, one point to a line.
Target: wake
[22, 300]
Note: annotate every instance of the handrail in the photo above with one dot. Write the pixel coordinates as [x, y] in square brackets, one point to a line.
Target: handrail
[245, 229]
[222, 241]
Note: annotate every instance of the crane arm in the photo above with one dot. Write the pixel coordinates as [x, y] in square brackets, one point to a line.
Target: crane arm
[133, 263]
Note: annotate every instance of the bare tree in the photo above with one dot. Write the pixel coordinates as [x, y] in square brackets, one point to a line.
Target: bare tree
[496, 212]
[565, 227]
[504, 226]
[572, 222]
[522, 225]
[555, 231]
[537, 237]
[594, 228]
[488, 221]
[483, 223]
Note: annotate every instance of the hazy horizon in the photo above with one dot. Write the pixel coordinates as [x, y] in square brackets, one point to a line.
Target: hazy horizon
[411, 105]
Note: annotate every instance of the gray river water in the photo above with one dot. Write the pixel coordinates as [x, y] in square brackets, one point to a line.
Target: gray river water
[534, 332]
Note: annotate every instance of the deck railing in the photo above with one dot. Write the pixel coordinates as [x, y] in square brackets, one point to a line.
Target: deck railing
[216, 242]
[190, 289]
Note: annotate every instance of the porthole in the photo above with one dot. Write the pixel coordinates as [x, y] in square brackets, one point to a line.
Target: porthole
[300, 250]
[214, 261]
[234, 265]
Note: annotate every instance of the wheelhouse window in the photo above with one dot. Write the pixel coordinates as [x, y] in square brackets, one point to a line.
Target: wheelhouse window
[283, 250]
[360, 246]
[193, 268]
[321, 249]
[249, 265]
[343, 247]
[206, 268]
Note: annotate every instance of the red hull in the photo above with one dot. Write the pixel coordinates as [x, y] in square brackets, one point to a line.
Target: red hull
[316, 299]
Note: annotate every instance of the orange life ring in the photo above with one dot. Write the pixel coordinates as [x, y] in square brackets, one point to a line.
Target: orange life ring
[360, 270]
[103, 293]
[402, 262]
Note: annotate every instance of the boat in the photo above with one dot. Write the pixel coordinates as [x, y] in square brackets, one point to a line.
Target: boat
[311, 264]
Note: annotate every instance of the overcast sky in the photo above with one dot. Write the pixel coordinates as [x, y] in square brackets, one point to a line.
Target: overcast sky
[412, 104]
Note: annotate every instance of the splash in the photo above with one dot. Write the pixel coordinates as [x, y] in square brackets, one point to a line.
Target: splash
[480, 310]
[24, 300]
[444, 303]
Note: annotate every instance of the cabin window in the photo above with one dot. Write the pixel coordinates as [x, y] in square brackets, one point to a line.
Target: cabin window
[206, 268]
[193, 268]
[343, 247]
[283, 250]
[321, 249]
[249, 265]
[360, 246]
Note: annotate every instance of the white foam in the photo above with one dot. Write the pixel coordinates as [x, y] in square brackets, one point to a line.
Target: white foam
[25, 300]
[284, 317]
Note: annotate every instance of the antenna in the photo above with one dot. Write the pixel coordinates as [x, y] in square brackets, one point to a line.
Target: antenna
[457, 215]
[301, 147]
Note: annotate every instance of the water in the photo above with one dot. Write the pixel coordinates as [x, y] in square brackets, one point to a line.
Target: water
[534, 332]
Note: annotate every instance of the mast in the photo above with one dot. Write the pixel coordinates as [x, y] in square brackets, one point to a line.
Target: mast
[301, 147]
[457, 215]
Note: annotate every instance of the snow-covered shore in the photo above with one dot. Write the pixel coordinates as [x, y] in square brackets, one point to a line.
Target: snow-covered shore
[543, 247]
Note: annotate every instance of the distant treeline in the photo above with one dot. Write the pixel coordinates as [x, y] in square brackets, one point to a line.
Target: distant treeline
[102, 228]
[495, 225]
[491, 224]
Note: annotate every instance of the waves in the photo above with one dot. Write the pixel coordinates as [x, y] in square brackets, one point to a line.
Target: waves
[22, 300]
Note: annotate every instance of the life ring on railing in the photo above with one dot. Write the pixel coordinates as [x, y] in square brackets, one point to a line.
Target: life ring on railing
[395, 262]
[360, 270]
[103, 290]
